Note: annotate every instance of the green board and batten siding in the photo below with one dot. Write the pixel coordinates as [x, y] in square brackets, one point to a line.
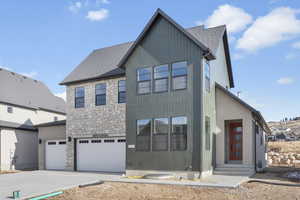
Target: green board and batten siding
[165, 44]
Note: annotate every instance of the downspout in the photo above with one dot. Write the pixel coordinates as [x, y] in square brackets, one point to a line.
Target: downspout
[255, 152]
[201, 116]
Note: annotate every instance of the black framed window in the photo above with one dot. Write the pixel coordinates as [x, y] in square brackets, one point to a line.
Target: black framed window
[100, 94]
[10, 109]
[144, 80]
[161, 78]
[143, 135]
[122, 91]
[207, 133]
[79, 97]
[179, 75]
[207, 76]
[160, 136]
[179, 133]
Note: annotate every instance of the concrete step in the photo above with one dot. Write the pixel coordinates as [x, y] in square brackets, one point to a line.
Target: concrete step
[233, 169]
[234, 173]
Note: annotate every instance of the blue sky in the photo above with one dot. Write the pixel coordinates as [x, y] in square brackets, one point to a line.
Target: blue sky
[47, 39]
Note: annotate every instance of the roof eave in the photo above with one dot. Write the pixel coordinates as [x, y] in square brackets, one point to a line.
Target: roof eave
[228, 60]
[253, 110]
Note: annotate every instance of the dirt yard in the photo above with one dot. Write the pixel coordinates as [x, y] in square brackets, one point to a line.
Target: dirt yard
[285, 147]
[129, 191]
[8, 172]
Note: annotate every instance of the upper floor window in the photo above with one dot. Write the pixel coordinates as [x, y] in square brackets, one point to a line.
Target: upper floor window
[143, 135]
[179, 75]
[161, 78]
[10, 109]
[207, 76]
[179, 133]
[100, 94]
[207, 133]
[79, 97]
[160, 136]
[122, 91]
[144, 80]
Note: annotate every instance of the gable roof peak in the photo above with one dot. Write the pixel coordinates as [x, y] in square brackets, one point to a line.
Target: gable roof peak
[206, 51]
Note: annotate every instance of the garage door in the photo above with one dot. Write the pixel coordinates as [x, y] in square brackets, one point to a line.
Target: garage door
[103, 155]
[56, 154]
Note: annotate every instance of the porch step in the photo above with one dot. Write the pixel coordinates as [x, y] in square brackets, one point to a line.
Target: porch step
[234, 170]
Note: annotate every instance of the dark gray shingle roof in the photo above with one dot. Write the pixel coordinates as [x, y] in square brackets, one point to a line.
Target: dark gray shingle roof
[23, 91]
[17, 126]
[99, 64]
[210, 37]
[104, 62]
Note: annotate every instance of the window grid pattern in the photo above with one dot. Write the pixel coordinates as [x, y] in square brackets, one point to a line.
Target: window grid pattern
[122, 91]
[161, 78]
[79, 97]
[100, 94]
[162, 134]
[144, 80]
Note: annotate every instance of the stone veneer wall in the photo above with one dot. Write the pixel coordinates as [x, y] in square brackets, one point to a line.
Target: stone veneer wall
[94, 121]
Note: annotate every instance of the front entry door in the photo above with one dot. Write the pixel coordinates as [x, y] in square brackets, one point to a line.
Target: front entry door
[235, 141]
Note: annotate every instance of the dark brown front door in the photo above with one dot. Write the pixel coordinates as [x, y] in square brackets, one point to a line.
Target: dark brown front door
[235, 140]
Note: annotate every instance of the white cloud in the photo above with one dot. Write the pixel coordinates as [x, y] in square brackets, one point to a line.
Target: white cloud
[75, 7]
[285, 81]
[280, 24]
[296, 45]
[62, 95]
[98, 15]
[31, 74]
[236, 19]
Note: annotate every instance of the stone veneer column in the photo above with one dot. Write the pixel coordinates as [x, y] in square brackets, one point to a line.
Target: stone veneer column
[70, 156]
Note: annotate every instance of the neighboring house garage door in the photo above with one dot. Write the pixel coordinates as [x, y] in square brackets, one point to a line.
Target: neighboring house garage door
[101, 154]
[56, 154]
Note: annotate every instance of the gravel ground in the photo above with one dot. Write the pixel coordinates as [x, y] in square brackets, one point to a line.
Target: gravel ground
[130, 191]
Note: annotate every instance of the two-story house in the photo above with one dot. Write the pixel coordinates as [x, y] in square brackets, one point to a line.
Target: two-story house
[175, 109]
[24, 103]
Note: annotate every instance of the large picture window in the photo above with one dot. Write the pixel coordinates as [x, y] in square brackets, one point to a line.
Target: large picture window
[179, 75]
[143, 135]
[79, 97]
[207, 76]
[100, 94]
[179, 133]
[144, 80]
[161, 78]
[160, 134]
[122, 91]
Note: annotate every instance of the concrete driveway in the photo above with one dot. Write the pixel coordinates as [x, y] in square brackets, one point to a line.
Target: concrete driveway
[35, 183]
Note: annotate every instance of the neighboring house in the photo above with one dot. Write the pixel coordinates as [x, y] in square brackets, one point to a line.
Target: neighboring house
[24, 102]
[179, 115]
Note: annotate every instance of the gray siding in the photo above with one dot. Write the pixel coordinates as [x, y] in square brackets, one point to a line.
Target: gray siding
[164, 44]
[219, 74]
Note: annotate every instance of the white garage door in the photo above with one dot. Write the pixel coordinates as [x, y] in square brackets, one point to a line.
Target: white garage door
[56, 154]
[103, 155]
